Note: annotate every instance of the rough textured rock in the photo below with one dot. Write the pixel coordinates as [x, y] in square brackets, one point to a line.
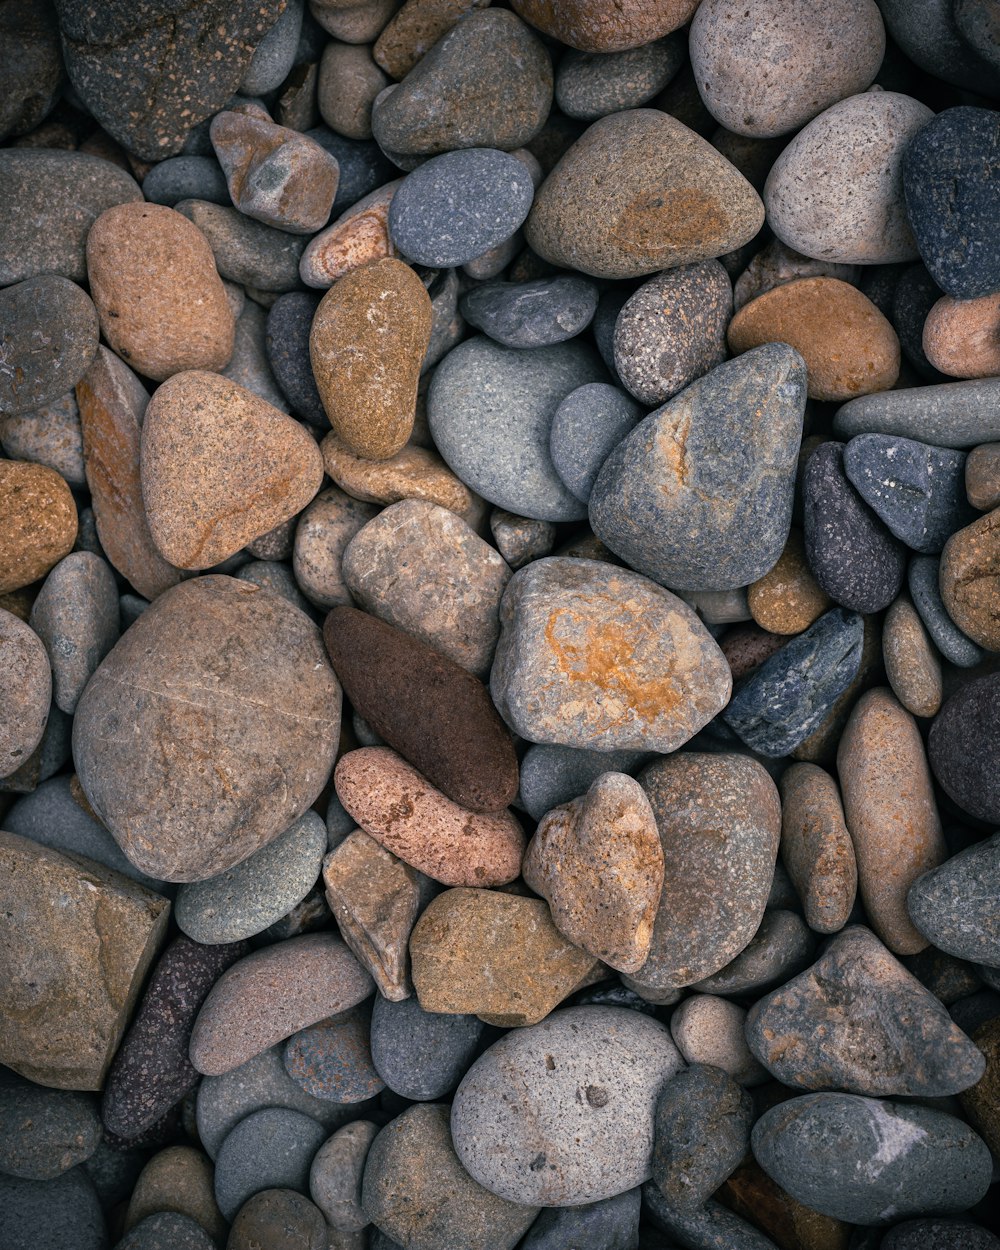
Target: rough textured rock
[247, 251]
[591, 27]
[166, 1230]
[589, 85]
[982, 476]
[949, 905]
[970, 580]
[980, 1102]
[45, 1132]
[787, 599]
[25, 691]
[358, 237]
[711, 1225]
[942, 1233]
[40, 522]
[912, 665]
[321, 534]
[348, 82]
[49, 436]
[332, 1058]
[816, 848]
[924, 585]
[963, 743]
[47, 340]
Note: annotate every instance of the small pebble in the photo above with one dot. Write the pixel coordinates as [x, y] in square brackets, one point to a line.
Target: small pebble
[246, 251]
[166, 1230]
[954, 414]
[781, 947]
[968, 580]
[912, 665]
[816, 847]
[280, 1219]
[178, 1179]
[25, 691]
[289, 321]
[612, 1224]
[709, 1030]
[552, 775]
[961, 337]
[421, 1055]
[962, 745]
[531, 314]
[982, 476]
[50, 436]
[521, 539]
[349, 80]
[358, 237]
[270, 1149]
[592, 85]
[588, 424]
[186, 178]
[787, 599]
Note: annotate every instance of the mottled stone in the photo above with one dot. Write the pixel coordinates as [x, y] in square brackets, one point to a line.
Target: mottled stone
[591, 27]
[787, 599]
[178, 1179]
[422, 1054]
[48, 337]
[925, 590]
[911, 662]
[969, 579]
[280, 1219]
[289, 322]
[248, 366]
[954, 414]
[166, 1230]
[612, 1224]
[63, 1213]
[45, 1132]
[415, 29]
[587, 426]
[962, 337]
[709, 1030]
[322, 533]
[782, 946]
[247, 251]
[943, 1234]
[358, 237]
[186, 178]
[49, 436]
[332, 1058]
[589, 85]
[336, 1172]
[963, 744]
[982, 476]
[816, 848]
[347, 84]
[25, 691]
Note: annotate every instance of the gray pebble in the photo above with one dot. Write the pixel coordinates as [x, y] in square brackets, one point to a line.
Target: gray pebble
[521, 539]
[953, 414]
[588, 425]
[249, 364]
[186, 178]
[609, 1225]
[420, 1054]
[532, 314]
[336, 1172]
[245, 250]
[363, 166]
[939, 1234]
[553, 775]
[922, 579]
[274, 56]
[48, 337]
[44, 1132]
[339, 822]
[60, 1214]
[50, 435]
[130, 608]
[954, 906]
[593, 84]
[781, 947]
[276, 577]
[270, 1149]
[166, 1230]
[710, 1227]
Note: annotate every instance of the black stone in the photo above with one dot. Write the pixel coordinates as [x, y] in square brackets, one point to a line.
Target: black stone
[964, 747]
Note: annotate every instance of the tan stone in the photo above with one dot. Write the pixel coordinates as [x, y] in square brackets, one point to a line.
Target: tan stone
[596, 26]
[848, 345]
[981, 1103]
[415, 29]
[816, 848]
[321, 537]
[787, 599]
[969, 577]
[494, 955]
[180, 1179]
[25, 692]
[79, 942]
[220, 466]
[982, 476]
[39, 522]
[911, 662]
[349, 81]
[358, 237]
[962, 336]
[159, 297]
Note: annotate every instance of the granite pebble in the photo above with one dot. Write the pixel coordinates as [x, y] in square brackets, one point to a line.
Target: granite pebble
[422, 1055]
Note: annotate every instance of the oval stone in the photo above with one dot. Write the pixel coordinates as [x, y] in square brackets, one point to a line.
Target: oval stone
[952, 906]
[48, 337]
[272, 1148]
[963, 745]
[25, 692]
[970, 580]
[422, 1054]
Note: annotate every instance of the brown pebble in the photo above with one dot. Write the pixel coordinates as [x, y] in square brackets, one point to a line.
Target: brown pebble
[890, 811]
[981, 1103]
[969, 577]
[280, 1219]
[402, 811]
[159, 297]
[596, 26]
[816, 848]
[777, 264]
[220, 466]
[494, 955]
[911, 662]
[39, 522]
[849, 347]
[349, 81]
[180, 1179]
[415, 29]
[25, 692]
[367, 343]
[746, 647]
[324, 529]
[358, 237]
[982, 476]
[353, 22]
[791, 1225]
[788, 599]
[962, 336]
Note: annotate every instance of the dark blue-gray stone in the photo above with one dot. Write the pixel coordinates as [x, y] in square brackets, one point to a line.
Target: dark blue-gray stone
[363, 166]
[711, 1227]
[915, 295]
[459, 205]
[249, 366]
[954, 414]
[950, 184]
[781, 947]
[784, 700]
[532, 314]
[289, 322]
[609, 1225]
[939, 1234]
[551, 775]
[927, 32]
[917, 489]
[699, 495]
[76, 617]
[186, 178]
[867, 1161]
[964, 746]
[612, 301]
[61, 1214]
[701, 1132]
[44, 1132]
[270, 1149]
[275, 54]
[925, 591]
[850, 552]
[420, 1054]
[589, 424]
[166, 1230]
[611, 994]
[48, 337]
[490, 411]
[955, 906]
[975, 1009]
[591, 85]
[114, 1171]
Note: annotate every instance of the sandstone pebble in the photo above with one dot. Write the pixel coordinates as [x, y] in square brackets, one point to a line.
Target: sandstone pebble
[969, 579]
[912, 665]
[816, 847]
[709, 1030]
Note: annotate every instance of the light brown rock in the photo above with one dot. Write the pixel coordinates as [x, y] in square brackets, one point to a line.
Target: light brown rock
[599, 864]
[595, 26]
[324, 529]
[273, 993]
[415, 29]
[969, 578]
[709, 1029]
[159, 297]
[25, 691]
[367, 344]
[961, 337]
[494, 955]
[403, 812]
[890, 811]
[220, 466]
[849, 347]
[982, 476]
[180, 1179]
[349, 81]
[358, 237]
[39, 522]
[777, 264]
[911, 662]
[353, 23]
[816, 848]
[72, 963]
[981, 1103]
[788, 599]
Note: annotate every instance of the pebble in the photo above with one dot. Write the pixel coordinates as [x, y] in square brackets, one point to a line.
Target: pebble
[520, 1129]
[599, 657]
[415, 1189]
[787, 599]
[63, 1213]
[248, 366]
[486, 83]
[553, 775]
[166, 1230]
[947, 176]
[954, 414]
[32, 70]
[349, 80]
[933, 39]
[40, 522]
[638, 193]
[353, 23]
[56, 959]
[45, 1131]
[274, 660]
[848, 345]
[244, 250]
[781, 947]
[942, 1234]
[868, 1161]
[816, 847]
[912, 665]
[422, 1055]
[289, 321]
[709, 1030]
[332, 1058]
[961, 337]
[422, 569]
[321, 534]
[589, 85]
[368, 339]
[708, 1226]
[777, 264]
[612, 1224]
[178, 1179]
[48, 339]
[275, 577]
[778, 706]
[747, 646]
[719, 461]
[358, 237]
[280, 1219]
[587, 426]
[531, 314]
[768, 71]
[336, 1172]
[425, 706]
[270, 1149]
[159, 297]
[275, 54]
[521, 539]
[980, 1102]
[598, 863]
[186, 178]
[50, 436]
[970, 564]
[923, 581]
[963, 741]
[25, 691]
[719, 818]
[890, 812]
[946, 904]
[673, 330]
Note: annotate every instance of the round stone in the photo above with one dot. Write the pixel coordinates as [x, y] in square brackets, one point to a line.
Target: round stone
[186, 178]
[40, 522]
[178, 1179]
[48, 337]
[782, 946]
[531, 314]
[946, 904]
[321, 534]
[25, 692]
[348, 82]
[289, 322]
[45, 1131]
[969, 578]
[590, 27]
[247, 251]
[166, 1230]
[421, 1055]
[270, 1149]
[709, 1030]
[787, 599]
[588, 424]
[613, 1223]
[961, 337]
[336, 1172]
[280, 1219]
[50, 436]
[963, 742]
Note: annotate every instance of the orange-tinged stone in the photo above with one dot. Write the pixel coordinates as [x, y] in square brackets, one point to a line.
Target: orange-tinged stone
[39, 522]
[358, 237]
[788, 599]
[982, 476]
[969, 577]
[962, 336]
[816, 848]
[415, 29]
[751, 1193]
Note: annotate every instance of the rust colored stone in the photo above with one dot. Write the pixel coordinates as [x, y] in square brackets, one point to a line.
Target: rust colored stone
[816, 847]
[911, 662]
[787, 599]
[791, 1225]
[596, 26]
[415, 29]
[961, 337]
[969, 577]
[746, 647]
[358, 237]
[39, 522]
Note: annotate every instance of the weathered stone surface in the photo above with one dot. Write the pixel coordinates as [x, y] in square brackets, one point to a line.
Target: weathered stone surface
[45, 1132]
[709, 1029]
[64, 1212]
[925, 589]
[963, 745]
[336, 1172]
[777, 264]
[952, 905]
[40, 522]
[49, 436]
[73, 964]
[787, 599]
[332, 1058]
[247, 251]
[588, 424]
[321, 534]
[146, 726]
[970, 580]
[422, 1054]
[815, 846]
[531, 314]
[31, 68]
[358, 237]
[709, 1225]
[592, 27]
[25, 692]
[961, 337]
[943, 1234]
[48, 337]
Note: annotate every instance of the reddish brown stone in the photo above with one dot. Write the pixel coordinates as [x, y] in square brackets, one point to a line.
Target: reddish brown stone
[981, 1103]
[982, 476]
[358, 237]
[39, 522]
[816, 847]
[415, 29]
[596, 26]
[748, 646]
[752, 1194]
[970, 580]
[961, 337]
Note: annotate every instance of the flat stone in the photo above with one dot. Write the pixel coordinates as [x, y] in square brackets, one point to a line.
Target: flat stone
[947, 904]
[982, 476]
[637, 193]
[816, 848]
[280, 1219]
[963, 741]
[954, 414]
[709, 1030]
[25, 691]
[531, 314]
[179, 1180]
[48, 339]
[247, 251]
[912, 665]
[595, 656]
[336, 1172]
[587, 426]
[421, 1054]
[968, 580]
[589, 85]
[332, 1058]
[45, 1132]
[64, 1212]
[270, 1149]
[782, 946]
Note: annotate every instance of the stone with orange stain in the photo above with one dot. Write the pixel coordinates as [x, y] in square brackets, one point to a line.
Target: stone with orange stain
[595, 656]
[39, 524]
[595, 26]
[890, 812]
[787, 599]
[816, 847]
[404, 813]
[358, 237]
[961, 337]
[791, 1225]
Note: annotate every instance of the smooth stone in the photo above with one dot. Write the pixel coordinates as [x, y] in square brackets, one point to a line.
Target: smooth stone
[787, 599]
[48, 340]
[962, 745]
[709, 1030]
[270, 1149]
[321, 534]
[289, 321]
[174, 818]
[332, 1058]
[491, 410]
[177, 1180]
[553, 775]
[750, 83]
[348, 82]
[531, 314]
[836, 191]
[40, 522]
[517, 1107]
[45, 1132]
[336, 1172]
[521, 539]
[858, 1021]
[151, 1071]
[719, 818]
[851, 554]
[62, 1016]
[587, 426]
[705, 463]
[931, 35]
[63, 1213]
[244, 250]
[495, 955]
[599, 657]
[816, 847]
[186, 178]
[638, 193]
[962, 337]
[25, 689]
[589, 85]
[912, 665]
[50, 436]
[358, 237]
[416, 1189]
[248, 366]
[701, 1134]
[777, 264]
[48, 202]
[923, 581]
[486, 83]
[673, 330]
[166, 1230]
[612, 1224]
[280, 1219]
[953, 414]
[947, 176]
[422, 1055]
[940, 1233]
[414, 30]
[980, 1103]
[275, 577]
[890, 812]
[355, 22]
[275, 54]
[589, 27]
[31, 70]
[781, 947]
[861, 1159]
[707, 1227]
[969, 579]
[948, 904]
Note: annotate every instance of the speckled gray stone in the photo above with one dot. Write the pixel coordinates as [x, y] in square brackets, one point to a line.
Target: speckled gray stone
[274, 56]
[186, 178]
[336, 1172]
[363, 166]
[588, 425]
[270, 1149]
[593, 84]
[963, 745]
[954, 414]
[924, 587]
[48, 337]
[61, 1214]
[709, 1227]
[166, 1230]
[249, 364]
[459, 205]
[531, 314]
[276, 577]
[521, 539]
[490, 410]
[954, 906]
[552, 775]
[44, 1132]
[245, 250]
[421, 1054]
[332, 1058]
[780, 948]
[612, 1224]
[50, 435]
[942, 1234]
[699, 495]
